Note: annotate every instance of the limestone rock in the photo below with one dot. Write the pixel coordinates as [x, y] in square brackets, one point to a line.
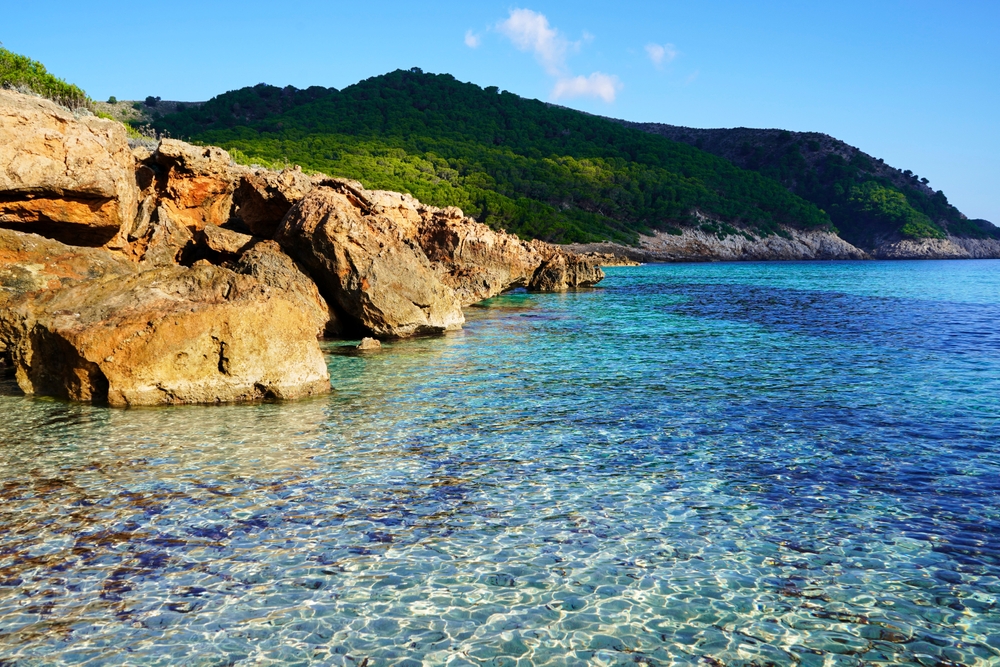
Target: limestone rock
[165, 241]
[30, 263]
[166, 335]
[64, 176]
[225, 241]
[921, 249]
[472, 259]
[367, 264]
[196, 183]
[262, 198]
[563, 271]
[370, 344]
[696, 244]
[266, 262]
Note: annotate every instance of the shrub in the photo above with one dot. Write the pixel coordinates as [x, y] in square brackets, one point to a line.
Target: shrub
[21, 73]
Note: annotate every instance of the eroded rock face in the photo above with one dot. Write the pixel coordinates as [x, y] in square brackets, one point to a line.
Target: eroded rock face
[563, 271]
[266, 262]
[195, 183]
[64, 176]
[472, 259]
[86, 325]
[367, 264]
[262, 198]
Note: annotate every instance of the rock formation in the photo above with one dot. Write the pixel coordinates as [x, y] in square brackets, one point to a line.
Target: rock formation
[168, 334]
[180, 305]
[195, 183]
[697, 245]
[262, 198]
[266, 262]
[367, 265]
[66, 176]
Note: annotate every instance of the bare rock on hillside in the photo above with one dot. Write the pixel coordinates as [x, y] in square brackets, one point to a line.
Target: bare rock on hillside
[262, 198]
[65, 176]
[563, 271]
[367, 264]
[195, 183]
[165, 335]
[922, 249]
[266, 262]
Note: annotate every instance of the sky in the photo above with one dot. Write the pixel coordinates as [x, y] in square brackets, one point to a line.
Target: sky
[914, 82]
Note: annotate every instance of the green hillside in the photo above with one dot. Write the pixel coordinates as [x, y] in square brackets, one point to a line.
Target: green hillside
[22, 73]
[867, 199]
[539, 170]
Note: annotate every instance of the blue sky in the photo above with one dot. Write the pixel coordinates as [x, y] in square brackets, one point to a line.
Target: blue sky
[916, 82]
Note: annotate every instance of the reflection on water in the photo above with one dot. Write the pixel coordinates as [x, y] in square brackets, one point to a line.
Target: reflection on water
[712, 464]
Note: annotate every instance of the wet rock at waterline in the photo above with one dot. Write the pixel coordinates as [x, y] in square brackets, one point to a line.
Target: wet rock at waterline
[366, 264]
[143, 337]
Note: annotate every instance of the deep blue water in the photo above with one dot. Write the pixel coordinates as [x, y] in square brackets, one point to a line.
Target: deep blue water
[724, 464]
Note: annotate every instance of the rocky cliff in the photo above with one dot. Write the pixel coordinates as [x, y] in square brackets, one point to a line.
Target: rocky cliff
[173, 275]
[700, 245]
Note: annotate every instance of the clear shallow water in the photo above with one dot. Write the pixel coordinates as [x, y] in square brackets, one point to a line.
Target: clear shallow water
[728, 464]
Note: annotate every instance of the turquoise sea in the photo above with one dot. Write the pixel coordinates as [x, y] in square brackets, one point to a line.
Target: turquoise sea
[716, 464]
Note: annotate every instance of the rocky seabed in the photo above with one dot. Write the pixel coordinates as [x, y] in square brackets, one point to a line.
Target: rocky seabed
[172, 275]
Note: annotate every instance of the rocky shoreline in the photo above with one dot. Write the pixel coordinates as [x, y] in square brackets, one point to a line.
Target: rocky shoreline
[697, 245]
[172, 275]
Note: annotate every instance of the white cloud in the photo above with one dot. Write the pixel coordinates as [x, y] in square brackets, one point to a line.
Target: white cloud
[661, 54]
[530, 31]
[604, 86]
[472, 40]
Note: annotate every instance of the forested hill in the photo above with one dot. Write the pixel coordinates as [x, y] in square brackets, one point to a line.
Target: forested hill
[867, 199]
[539, 170]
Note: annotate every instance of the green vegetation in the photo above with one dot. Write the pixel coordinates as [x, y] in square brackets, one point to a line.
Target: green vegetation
[535, 169]
[20, 72]
[890, 204]
[865, 198]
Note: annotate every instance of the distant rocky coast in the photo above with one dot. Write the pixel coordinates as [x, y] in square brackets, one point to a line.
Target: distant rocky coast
[169, 274]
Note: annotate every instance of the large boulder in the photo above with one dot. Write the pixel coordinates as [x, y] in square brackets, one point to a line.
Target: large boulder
[84, 324]
[65, 176]
[195, 183]
[266, 262]
[367, 264]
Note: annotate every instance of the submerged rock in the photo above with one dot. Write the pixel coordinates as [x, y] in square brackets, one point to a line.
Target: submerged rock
[65, 176]
[370, 344]
[366, 263]
[85, 325]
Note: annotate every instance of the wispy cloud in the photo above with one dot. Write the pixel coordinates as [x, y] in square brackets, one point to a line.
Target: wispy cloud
[661, 54]
[472, 40]
[530, 31]
[604, 86]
